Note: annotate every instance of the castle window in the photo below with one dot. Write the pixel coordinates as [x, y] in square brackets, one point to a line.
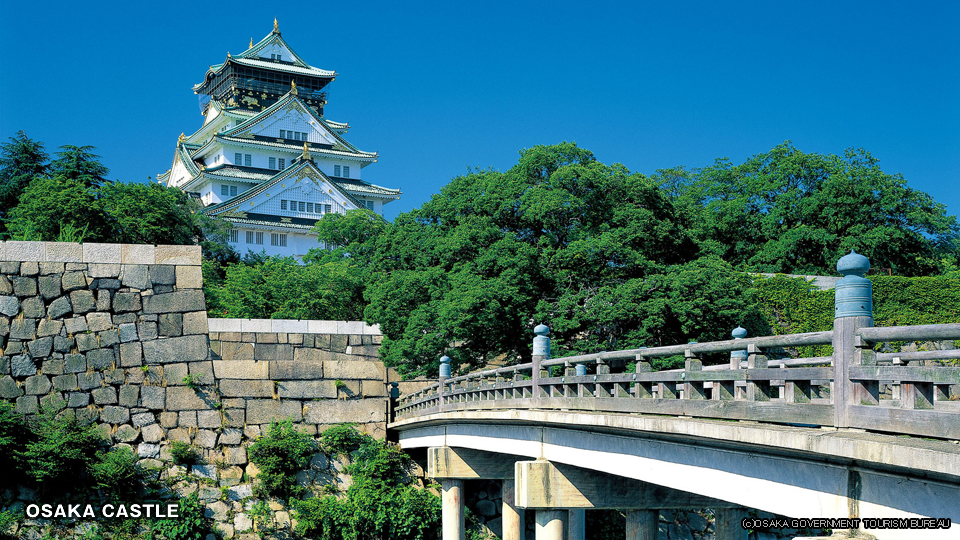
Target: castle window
[336, 170]
[274, 239]
[237, 159]
[326, 208]
[303, 136]
[224, 189]
[234, 236]
[346, 171]
[283, 240]
[310, 207]
[302, 206]
[282, 164]
[249, 237]
[283, 204]
[247, 158]
[368, 204]
[273, 163]
[259, 238]
[233, 191]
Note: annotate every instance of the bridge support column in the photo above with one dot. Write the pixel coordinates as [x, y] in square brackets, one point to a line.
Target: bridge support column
[550, 524]
[452, 509]
[576, 524]
[643, 524]
[727, 524]
[512, 517]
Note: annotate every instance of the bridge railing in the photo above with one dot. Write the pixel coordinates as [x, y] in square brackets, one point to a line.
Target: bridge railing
[855, 387]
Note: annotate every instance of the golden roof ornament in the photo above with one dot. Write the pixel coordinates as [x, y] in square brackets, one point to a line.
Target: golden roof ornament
[251, 44]
[228, 54]
[276, 27]
[306, 152]
[293, 87]
[182, 138]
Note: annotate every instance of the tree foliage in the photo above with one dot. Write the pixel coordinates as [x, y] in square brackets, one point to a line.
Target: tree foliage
[79, 163]
[21, 160]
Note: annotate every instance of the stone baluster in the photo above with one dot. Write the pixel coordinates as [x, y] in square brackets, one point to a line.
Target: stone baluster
[692, 389]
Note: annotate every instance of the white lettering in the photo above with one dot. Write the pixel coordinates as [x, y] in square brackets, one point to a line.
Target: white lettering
[173, 509]
[88, 511]
[107, 508]
[33, 510]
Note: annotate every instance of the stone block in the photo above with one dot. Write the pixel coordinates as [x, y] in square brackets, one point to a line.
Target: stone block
[22, 366]
[24, 329]
[129, 396]
[264, 411]
[246, 388]
[335, 411]
[41, 348]
[65, 382]
[202, 371]
[175, 349]
[127, 332]
[6, 287]
[175, 302]
[236, 351]
[163, 274]
[255, 325]
[75, 363]
[106, 284]
[9, 388]
[353, 370]
[28, 405]
[101, 253]
[235, 455]
[112, 414]
[147, 329]
[99, 321]
[72, 281]
[137, 254]
[370, 351]
[205, 438]
[103, 300]
[338, 343]
[104, 396]
[195, 322]
[307, 389]
[148, 450]
[189, 277]
[178, 255]
[323, 327]
[86, 381]
[76, 325]
[9, 305]
[114, 376]
[187, 419]
[290, 326]
[135, 276]
[7, 266]
[126, 433]
[234, 417]
[37, 385]
[181, 398]
[143, 419]
[230, 436]
[153, 397]
[209, 419]
[78, 399]
[108, 338]
[106, 271]
[49, 286]
[152, 433]
[241, 491]
[87, 341]
[29, 268]
[298, 369]
[175, 373]
[267, 352]
[240, 369]
[131, 354]
[169, 419]
[32, 308]
[101, 359]
[224, 325]
[171, 324]
[25, 251]
[123, 302]
[179, 435]
[63, 344]
[82, 301]
[48, 327]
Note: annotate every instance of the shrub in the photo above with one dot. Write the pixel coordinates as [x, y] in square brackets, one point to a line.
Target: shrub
[13, 437]
[190, 525]
[116, 472]
[341, 439]
[182, 453]
[280, 454]
[61, 448]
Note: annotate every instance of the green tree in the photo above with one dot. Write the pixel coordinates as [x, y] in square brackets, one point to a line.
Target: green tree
[792, 212]
[49, 205]
[79, 163]
[21, 160]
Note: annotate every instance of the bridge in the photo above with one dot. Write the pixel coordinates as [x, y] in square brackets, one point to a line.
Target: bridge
[861, 442]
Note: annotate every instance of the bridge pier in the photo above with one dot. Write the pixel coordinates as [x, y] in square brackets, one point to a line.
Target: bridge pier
[726, 524]
[576, 524]
[643, 524]
[551, 524]
[511, 516]
[451, 509]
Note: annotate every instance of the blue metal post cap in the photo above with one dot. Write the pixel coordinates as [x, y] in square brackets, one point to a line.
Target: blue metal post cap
[444, 359]
[581, 370]
[444, 366]
[853, 264]
[739, 332]
[541, 330]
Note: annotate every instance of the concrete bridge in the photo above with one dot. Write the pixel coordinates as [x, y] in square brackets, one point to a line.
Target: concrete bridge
[860, 442]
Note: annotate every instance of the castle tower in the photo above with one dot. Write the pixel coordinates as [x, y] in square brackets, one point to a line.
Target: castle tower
[265, 158]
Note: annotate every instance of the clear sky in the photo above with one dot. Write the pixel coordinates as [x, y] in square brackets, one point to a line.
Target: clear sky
[439, 87]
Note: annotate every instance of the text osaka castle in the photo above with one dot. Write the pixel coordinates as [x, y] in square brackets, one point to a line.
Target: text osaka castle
[266, 159]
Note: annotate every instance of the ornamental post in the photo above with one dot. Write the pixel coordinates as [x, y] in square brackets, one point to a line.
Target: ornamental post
[541, 352]
[853, 309]
[444, 375]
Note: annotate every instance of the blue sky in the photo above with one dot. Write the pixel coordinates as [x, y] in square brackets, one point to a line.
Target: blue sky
[439, 87]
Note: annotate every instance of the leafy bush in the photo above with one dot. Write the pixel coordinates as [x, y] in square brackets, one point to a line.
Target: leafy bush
[182, 453]
[341, 439]
[280, 454]
[61, 447]
[13, 437]
[116, 471]
[190, 525]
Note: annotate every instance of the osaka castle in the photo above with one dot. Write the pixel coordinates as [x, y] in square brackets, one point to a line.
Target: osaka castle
[266, 159]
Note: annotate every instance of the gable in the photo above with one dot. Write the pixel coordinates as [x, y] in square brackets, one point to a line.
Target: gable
[277, 51]
[293, 120]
